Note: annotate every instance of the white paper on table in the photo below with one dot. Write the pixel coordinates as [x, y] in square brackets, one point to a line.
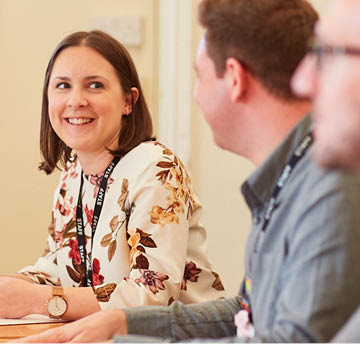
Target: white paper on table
[32, 318]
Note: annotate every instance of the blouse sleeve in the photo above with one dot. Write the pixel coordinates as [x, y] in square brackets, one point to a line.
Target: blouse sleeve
[45, 270]
[158, 203]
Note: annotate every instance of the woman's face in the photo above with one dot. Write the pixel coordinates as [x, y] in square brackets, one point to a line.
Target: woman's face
[86, 101]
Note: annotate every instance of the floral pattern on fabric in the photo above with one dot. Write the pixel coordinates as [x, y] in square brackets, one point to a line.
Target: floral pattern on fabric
[217, 284]
[140, 250]
[70, 169]
[96, 180]
[74, 253]
[41, 278]
[191, 274]
[89, 215]
[137, 241]
[109, 240]
[171, 300]
[65, 205]
[76, 272]
[98, 278]
[103, 293]
[153, 280]
[180, 194]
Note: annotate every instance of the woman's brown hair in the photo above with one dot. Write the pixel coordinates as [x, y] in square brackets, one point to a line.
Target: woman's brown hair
[135, 128]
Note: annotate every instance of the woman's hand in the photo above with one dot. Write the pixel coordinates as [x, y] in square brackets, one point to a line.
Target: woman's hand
[19, 298]
[99, 327]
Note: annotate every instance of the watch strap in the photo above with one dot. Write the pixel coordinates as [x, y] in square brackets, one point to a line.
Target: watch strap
[58, 291]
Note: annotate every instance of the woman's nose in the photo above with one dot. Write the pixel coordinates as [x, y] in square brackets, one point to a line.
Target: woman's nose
[77, 99]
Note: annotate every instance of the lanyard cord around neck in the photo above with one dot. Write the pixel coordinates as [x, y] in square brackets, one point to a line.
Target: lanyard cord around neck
[80, 230]
[296, 156]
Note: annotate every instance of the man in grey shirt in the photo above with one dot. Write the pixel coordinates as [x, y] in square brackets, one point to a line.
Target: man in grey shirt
[301, 281]
[330, 75]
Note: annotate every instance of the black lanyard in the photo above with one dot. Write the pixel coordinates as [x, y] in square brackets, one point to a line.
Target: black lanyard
[80, 230]
[296, 156]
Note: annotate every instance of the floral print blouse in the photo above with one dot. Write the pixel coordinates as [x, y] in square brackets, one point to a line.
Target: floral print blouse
[148, 248]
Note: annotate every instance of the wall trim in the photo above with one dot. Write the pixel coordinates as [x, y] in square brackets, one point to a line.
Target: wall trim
[175, 65]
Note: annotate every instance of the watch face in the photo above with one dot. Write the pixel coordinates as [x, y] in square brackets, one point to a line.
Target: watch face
[56, 306]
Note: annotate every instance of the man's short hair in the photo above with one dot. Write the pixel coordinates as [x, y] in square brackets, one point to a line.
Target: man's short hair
[269, 37]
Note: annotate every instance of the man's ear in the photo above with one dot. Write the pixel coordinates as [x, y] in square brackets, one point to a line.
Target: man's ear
[235, 75]
[130, 100]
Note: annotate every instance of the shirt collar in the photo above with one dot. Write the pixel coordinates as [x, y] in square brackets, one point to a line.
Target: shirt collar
[259, 186]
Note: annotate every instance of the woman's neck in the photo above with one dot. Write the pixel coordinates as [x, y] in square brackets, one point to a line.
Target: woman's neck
[92, 163]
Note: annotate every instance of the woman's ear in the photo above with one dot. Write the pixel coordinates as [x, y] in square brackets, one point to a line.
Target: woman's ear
[130, 100]
[235, 74]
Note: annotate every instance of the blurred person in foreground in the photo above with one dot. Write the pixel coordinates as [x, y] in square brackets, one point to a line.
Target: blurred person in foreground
[301, 279]
[330, 76]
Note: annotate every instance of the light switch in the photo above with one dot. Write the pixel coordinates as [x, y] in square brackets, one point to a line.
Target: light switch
[126, 29]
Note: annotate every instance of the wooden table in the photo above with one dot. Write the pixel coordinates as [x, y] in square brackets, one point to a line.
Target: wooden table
[11, 332]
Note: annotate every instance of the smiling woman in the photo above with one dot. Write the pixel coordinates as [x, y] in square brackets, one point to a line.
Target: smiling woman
[86, 106]
[125, 221]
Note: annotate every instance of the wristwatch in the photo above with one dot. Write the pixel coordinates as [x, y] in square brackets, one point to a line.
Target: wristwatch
[56, 305]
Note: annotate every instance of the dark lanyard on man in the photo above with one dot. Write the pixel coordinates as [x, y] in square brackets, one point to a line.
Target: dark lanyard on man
[296, 156]
[80, 230]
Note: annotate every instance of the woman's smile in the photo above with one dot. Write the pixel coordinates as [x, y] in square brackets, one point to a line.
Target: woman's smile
[79, 120]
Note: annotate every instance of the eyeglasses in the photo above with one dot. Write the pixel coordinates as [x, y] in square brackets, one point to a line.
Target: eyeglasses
[322, 50]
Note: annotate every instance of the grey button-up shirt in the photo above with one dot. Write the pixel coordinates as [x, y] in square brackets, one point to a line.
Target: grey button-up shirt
[305, 277]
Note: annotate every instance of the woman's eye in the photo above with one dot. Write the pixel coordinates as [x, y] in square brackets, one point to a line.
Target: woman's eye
[96, 85]
[63, 85]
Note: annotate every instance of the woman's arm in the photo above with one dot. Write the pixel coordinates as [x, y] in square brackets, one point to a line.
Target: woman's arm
[19, 298]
